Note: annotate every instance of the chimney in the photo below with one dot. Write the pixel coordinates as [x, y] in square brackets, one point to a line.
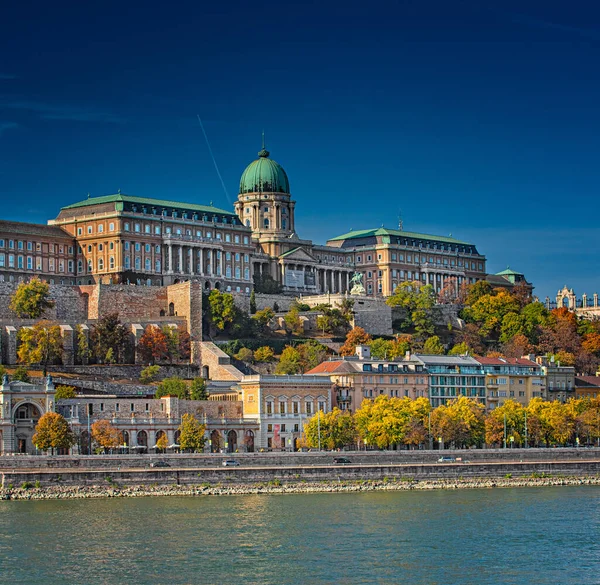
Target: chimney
[363, 352]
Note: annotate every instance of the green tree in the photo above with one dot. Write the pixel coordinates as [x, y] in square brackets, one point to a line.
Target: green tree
[83, 345]
[312, 354]
[222, 309]
[336, 429]
[198, 389]
[477, 290]
[65, 393]
[31, 299]
[289, 361]
[460, 349]
[191, 434]
[172, 387]
[149, 374]
[264, 354]
[3, 372]
[489, 311]
[266, 284]
[245, 355]
[433, 346]
[262, 319]
[53, 432]
[252, 302]
[41, 344]
[293, 323]
[21, 375]
[418, 300]
[109, 339]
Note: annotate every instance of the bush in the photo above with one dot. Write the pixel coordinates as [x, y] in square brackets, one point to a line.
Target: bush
[2, 372]
[149, 374]
[21, 374]
[65, 392]
[245, 355]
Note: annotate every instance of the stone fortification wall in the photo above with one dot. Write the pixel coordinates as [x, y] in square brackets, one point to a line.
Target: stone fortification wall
[216, 364]
[263, 301]
[133, 303]
[185, 300]
[71, 304]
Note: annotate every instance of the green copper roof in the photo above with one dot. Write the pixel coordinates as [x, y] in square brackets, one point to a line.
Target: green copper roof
[264, 176]
[355, 234]
[509, 272]
[120, 198]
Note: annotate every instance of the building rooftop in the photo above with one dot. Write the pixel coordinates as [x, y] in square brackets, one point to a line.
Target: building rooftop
[355, 234]
[587, 381]
[334, 367]
[32, 229]
[122, 198]
[507, 362]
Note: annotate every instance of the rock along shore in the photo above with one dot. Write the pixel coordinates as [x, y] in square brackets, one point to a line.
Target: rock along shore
[276, 487]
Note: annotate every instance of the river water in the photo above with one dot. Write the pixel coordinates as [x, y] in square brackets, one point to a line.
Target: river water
[515, 536]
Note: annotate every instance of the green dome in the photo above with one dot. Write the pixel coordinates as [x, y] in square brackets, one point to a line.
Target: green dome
[264, 176]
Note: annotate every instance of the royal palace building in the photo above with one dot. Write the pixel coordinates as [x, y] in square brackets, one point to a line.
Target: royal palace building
[157, 241]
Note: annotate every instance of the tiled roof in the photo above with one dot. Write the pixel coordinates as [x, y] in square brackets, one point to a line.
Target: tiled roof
[32, 229]
[333, 367]
[587, 381]
[121, 197]
[389, 232]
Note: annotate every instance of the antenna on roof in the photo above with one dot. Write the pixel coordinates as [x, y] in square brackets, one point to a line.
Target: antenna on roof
[214, 160]
[400, 222]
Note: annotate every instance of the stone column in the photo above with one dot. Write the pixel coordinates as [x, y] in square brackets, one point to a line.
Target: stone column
[583, 300]
[340, 281]
[595, 299]
[137, 330]
[85, 332]
[68, 357]
[170, 247]
[201, 261]
[11, 345]
[180, 255]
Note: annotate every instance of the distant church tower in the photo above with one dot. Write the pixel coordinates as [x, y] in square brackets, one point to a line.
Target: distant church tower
[264, 202]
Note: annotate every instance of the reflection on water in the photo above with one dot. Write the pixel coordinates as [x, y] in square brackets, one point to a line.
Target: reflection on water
[502, 536]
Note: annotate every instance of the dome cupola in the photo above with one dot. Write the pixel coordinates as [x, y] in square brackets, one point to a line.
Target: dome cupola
[264, 175]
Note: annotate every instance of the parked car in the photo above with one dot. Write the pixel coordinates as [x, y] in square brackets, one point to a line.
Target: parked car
[341, 460]
[231, 463]
[446, 459]
[159, 464]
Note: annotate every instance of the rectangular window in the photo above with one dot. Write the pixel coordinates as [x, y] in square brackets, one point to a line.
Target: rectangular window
[282, 408]
[269, 408]
[309, 408]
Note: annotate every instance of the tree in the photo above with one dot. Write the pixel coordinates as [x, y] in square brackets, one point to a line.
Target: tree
[293, 323]
[105, 435]
[222, 309]
[262, 319]
[149, 374]
[252, 302]
[418, 300]
[517, 347]
[191, 434]
[21, 375]
[83, 345]
[266, 284]
[245, 355]
[452, 293]
[312, 354]
[264, 354]
[460, 421]
[162, 442]
[109, 339]
[198, 389]
[433, 346]
[31, 299]
[53, 432]
[477, 290]
[460, 349]
[489, 311]
[591, 343]
[335, 429]
[41, 344]
[514, 413]
[356, 336]
[152, 346]
[289, 361]
[172, 387]
[65, 393]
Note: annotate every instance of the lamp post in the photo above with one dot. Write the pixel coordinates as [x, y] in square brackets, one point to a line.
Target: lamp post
[88, 430]
[430, 437]
[505, 431]
[319, 427]
[526, 441]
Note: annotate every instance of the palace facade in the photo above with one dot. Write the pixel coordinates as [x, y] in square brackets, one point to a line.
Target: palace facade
[122, 238]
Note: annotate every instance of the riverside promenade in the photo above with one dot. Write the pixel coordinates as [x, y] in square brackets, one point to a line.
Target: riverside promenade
[282, 471]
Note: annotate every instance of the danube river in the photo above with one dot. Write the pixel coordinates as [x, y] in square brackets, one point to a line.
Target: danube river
[519, 536]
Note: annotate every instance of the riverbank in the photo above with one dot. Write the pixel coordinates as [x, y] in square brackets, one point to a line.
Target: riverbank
[275, 487]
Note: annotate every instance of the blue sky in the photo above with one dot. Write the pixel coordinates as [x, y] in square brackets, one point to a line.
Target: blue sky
[472, 117]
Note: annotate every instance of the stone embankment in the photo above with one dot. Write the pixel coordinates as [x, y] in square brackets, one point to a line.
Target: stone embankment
[112, 490]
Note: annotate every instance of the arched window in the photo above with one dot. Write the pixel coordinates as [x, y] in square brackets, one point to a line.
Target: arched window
[266, 222]
[148, 265]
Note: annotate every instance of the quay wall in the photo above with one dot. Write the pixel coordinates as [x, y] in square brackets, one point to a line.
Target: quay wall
[309, 473]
